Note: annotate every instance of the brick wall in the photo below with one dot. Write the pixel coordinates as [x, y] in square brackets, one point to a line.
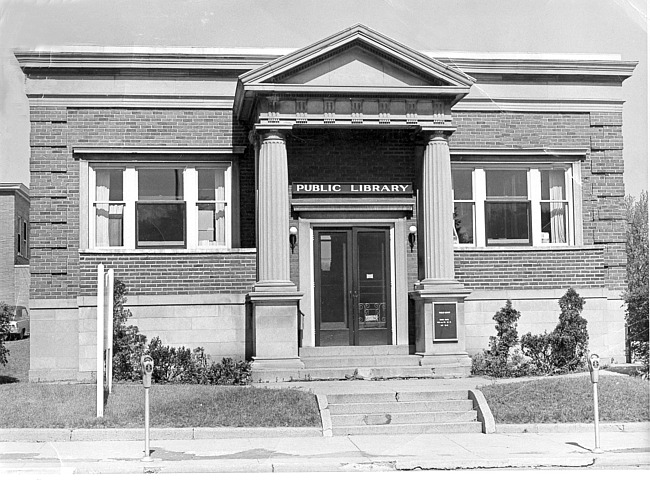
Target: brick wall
[530, 269]
[520, 130]
[7, 247]
[173, 274]
[55, 175]
[351, 156]
[605, 198]
[600, 134]
[314, 155]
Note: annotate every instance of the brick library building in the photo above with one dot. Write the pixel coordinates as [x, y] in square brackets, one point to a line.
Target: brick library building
[354, 205]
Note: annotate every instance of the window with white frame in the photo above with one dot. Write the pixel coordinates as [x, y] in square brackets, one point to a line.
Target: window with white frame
[160, 206]
[512, 205]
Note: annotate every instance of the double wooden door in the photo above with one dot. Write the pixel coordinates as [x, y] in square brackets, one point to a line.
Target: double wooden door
[352, 286]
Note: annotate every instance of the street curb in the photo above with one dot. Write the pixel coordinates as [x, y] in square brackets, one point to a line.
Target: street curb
[571, 427]
[41, 435]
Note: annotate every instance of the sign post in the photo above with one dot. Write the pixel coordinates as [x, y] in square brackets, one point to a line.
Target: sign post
[594, 366]
[105, 281]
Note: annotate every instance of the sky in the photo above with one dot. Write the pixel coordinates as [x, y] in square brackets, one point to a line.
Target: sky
[523, 26]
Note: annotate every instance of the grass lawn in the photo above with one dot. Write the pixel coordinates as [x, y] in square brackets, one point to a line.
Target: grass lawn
[569, 400]
[41, 405]
[17, 368]
[33, 405]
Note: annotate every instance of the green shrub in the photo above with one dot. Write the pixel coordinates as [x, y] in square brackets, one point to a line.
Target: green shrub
[128, 343]
[171, 364]
[5, 316]
[228, 372]
[502, 359]
[565, 348]
[570, 338]
[538, 349]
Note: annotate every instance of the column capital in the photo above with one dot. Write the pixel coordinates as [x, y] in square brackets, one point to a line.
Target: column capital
[431, 136]
[272, 136]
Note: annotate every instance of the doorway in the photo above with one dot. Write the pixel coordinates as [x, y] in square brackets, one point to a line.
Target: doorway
[352, 286]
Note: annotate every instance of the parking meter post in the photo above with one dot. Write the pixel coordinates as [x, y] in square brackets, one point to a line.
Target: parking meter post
[596, 426]
[147, 450]
[147, 371]
[594, 366]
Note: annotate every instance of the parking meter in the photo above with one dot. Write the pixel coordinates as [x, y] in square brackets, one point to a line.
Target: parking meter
[594, 366]
[147, 370]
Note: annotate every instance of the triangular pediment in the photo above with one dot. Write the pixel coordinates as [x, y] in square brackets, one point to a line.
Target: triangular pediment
[358, 56]
[355, 63]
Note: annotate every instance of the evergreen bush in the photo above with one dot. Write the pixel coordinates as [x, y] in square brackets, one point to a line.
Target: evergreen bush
[565, 348]
[128, 343]
[502, 359]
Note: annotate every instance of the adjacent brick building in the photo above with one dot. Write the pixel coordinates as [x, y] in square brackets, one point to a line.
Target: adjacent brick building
[287, 205]
[14, 244]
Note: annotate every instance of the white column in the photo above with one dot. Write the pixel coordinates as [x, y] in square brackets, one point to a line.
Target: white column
[436, 212]
[272, 213]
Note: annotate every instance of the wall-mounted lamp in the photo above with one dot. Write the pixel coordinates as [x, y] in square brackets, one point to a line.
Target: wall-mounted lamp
[412, 231]
[293, 237]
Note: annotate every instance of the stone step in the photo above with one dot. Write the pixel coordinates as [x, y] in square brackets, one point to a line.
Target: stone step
[349, 351]
[391, 397]
[362, 361]
[409, 429]
[341, 373]
[403, 418]
[403, 407]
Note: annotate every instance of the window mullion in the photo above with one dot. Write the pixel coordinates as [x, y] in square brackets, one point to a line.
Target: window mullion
[130, 181]
[535, 197]
[191, 192]
[227, 209]
[479, 206]
[92, 212]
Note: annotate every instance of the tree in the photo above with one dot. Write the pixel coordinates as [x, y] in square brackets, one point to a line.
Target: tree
[636, 294]
[570, 339]
[5, 317]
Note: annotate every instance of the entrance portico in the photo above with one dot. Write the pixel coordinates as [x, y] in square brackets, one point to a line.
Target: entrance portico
[352, 234]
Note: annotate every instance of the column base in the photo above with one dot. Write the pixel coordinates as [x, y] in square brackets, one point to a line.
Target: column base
[440, 321]
[279, 286]
[275, 326]
[441, 288]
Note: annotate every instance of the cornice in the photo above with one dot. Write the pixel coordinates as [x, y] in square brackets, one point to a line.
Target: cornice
[246, 59]
[153, 59]
[15, 189]
[543, 66]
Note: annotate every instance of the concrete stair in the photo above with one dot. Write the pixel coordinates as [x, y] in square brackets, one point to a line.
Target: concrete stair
[363, 362]
[402, 413]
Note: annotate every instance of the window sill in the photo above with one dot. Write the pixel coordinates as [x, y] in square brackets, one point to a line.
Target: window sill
[166, 251]
[527, 248]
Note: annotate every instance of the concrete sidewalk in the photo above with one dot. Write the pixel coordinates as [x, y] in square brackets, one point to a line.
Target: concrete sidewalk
[208, 450]
[323, 454]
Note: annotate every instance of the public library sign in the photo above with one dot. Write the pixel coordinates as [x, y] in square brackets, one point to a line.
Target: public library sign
[353, 188]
